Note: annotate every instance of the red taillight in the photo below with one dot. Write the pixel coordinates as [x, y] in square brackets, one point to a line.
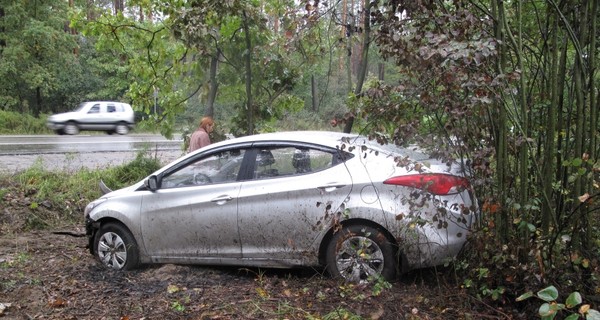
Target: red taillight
[436, 183]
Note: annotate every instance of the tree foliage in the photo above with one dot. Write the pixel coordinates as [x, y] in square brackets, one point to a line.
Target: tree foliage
[35, 56]
[511, 87]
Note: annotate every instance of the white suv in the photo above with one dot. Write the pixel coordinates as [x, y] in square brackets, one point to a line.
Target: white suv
[94, 115]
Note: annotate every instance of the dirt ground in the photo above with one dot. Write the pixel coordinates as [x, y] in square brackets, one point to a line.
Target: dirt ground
[45, 275]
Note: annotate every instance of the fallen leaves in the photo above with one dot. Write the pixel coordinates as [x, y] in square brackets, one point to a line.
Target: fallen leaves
[57, 303]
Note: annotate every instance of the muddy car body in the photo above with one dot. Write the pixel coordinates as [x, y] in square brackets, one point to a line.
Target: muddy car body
[289, 199]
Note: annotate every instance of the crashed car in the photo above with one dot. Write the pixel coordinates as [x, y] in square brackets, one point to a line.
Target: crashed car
[357, 208]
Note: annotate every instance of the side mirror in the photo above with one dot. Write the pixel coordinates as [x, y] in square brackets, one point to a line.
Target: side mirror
[151, 183]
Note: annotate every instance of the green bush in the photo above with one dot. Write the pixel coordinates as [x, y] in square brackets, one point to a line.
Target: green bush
[18, 123]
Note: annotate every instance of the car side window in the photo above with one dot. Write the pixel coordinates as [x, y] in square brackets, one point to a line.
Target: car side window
[95, 109]
[111, 108]
[219, 167]
[290, 160]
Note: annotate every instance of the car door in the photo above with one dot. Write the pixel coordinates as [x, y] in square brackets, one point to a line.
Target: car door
[93, 117]
[293, 197]
[193, 215]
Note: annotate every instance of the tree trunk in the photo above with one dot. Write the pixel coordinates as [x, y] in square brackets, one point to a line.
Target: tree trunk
[119, 6]
[501, 218]
[314, 93]
[578, 77]
[2, 30]
[364, 59]
[248, 66]
[214, 84]
[37, 106]
[593, 148]
[524, 148]
[90, 10]
[552, 110]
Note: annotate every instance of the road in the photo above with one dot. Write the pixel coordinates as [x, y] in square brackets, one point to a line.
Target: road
[70, 153]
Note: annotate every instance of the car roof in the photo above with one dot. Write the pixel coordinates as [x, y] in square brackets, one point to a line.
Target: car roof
[330, 139]
[327, 138]
[90, 102]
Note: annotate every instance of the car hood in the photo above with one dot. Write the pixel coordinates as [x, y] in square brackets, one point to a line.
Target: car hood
[62, 116]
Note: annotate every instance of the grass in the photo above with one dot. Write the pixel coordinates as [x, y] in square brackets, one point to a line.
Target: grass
[39, 199]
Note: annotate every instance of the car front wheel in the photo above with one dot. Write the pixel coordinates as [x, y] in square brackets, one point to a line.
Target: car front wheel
[360, 254]
[71, 128]
[115, 247]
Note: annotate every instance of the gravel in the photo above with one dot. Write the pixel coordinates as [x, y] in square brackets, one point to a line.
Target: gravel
[72, 162]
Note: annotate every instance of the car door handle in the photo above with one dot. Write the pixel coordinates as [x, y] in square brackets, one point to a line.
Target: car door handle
[331, 187]
[220, 200]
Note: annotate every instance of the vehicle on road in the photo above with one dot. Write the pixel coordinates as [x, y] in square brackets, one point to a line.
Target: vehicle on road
[340, 201]
[111, 117]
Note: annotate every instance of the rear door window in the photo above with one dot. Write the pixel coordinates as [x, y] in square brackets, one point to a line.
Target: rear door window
[279, 161]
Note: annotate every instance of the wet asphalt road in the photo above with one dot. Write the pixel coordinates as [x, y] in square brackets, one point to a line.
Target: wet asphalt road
[70, 153]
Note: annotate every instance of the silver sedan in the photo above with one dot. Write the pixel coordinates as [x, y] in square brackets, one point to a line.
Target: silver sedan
[360, 209]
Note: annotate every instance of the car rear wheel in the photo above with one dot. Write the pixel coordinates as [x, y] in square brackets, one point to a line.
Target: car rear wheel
[115, 247]
[71, 128]
[122, 128]
[360, 254]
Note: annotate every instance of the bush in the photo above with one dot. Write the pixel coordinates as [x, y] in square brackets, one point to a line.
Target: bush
[17, 123]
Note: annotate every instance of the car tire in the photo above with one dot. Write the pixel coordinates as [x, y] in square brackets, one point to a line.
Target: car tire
[360, 254]
[71, 128]
[122, 128]
[115, 247]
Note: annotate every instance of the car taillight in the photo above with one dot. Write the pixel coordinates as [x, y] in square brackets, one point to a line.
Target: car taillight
[436, 183]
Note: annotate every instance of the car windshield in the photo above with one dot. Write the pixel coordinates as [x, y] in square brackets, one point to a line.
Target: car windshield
[79, 107]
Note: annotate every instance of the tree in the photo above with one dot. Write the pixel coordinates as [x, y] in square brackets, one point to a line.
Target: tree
[241, 31]
[36, 50]
[513, 91]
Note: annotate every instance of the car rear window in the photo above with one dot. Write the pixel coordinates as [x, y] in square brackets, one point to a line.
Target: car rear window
[413, 152]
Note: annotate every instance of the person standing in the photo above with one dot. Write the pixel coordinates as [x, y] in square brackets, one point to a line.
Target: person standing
[200, 137]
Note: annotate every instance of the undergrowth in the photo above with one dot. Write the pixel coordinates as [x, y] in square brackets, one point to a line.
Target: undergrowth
[503, 274]
[22, 123]
[38, 199]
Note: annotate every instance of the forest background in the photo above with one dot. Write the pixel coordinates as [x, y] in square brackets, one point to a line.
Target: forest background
[510, 87]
